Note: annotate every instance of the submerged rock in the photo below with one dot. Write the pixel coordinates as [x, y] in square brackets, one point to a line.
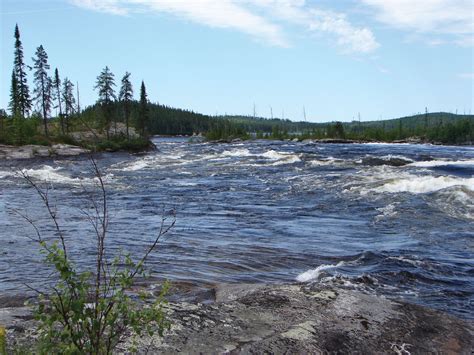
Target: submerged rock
[303, 319]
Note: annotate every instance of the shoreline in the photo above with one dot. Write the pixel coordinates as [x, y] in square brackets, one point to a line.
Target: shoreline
[294, 317]
[32, 151]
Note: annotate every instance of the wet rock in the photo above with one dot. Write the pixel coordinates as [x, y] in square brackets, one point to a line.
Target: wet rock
[303, 319]
[392, 161]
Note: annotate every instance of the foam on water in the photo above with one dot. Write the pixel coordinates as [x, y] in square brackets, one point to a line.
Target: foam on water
[435, 163]
[52, 175]
[281, 158]
[290, 159]
[236, 153]
[386, 212]
[314, 273]
[137, 165]
[4, 174]
[274, 155]
[425, 184]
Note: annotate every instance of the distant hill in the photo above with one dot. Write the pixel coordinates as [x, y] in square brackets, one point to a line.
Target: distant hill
[437, 127]
[427, 120]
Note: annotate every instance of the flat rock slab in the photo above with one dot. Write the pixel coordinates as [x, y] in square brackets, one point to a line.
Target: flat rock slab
[32, 151]
[303, 319]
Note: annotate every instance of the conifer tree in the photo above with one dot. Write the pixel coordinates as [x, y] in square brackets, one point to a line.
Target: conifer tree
[126, 97]
[44, 86]
[143, 111]
[14, 104]
[24, 101]
[69, 101]
[105, 87]
[57, 96]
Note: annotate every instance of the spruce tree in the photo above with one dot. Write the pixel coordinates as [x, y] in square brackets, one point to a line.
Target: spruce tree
[14, 104]
[43, 85]
[126, 97]
[69, 101]
[57, 96]
[143, 111]
[105, 87]
[24, 101]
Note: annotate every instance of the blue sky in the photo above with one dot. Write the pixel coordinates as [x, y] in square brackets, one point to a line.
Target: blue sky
[382, 58]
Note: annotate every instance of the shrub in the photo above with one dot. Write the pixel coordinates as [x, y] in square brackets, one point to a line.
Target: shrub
[92, 311]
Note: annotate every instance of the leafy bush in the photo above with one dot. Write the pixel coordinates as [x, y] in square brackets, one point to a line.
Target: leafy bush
[3, 341]
[92, 311]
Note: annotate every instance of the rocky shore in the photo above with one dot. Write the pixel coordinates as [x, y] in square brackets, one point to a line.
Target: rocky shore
[10, 152]
[289, 319]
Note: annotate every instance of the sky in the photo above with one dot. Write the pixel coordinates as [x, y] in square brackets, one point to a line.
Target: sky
[333, 59]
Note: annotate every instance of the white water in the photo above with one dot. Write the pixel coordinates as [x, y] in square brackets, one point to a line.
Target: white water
[434, 163]
[314, 274]
[425, 184]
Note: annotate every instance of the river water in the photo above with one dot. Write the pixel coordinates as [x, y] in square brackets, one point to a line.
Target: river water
[265, 211]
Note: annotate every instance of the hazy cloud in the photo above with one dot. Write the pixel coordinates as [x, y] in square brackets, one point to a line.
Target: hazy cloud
[266, 20]
[453, 19]
[469, 76]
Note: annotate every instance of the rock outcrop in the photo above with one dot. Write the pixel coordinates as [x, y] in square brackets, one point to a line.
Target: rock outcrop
[297, 319]
[32, 151]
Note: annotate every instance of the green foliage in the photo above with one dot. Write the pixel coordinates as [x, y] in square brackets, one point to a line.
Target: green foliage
[225, 130]
[143, 117]
[92, 311]
[44, 85]
[22, 92]
[3, 341]
[105, 86]
[126, 97]
[73, 320]
[121, 143]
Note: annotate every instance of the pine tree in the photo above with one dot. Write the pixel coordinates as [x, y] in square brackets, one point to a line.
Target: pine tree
[143, 111]
[24, 101]
[105, 86]
[44, 85]
[14, 104]
[126, 97]
[69, 101]
[57, 96]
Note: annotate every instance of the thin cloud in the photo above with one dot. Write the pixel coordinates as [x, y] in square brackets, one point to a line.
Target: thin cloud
[452, 19]
[349, 37]
[265, 20]
[469, 76]
[224, 14]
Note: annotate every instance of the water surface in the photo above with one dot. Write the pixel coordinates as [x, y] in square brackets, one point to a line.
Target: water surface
[267, 211]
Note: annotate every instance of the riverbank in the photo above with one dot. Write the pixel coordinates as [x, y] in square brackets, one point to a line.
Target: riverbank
[30, 151]
[10, 152]
[291, 318]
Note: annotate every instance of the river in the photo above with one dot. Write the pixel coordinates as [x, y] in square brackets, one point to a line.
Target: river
[265, 211]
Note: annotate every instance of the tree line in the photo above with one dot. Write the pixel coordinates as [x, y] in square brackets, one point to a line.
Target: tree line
[31, 118]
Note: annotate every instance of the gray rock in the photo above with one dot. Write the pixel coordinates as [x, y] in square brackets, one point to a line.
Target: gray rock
[294, 319]
[31, 151]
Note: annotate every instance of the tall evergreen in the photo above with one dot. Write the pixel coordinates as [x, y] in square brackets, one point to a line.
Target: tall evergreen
[14, 104]
[69, 101]
[24, 101]
[105, 85]
[126, 97]
[43, 85]
[143, 111]
[57, 96]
